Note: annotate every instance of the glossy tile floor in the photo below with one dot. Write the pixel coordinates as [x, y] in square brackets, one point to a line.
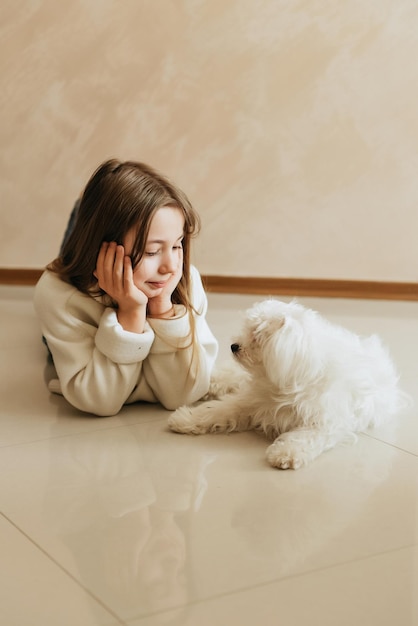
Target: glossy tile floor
[109, 521]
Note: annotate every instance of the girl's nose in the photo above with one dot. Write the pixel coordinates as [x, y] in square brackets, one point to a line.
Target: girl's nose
[169, 262]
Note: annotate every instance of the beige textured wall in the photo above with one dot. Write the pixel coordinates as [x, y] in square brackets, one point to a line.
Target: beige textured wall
[291, 124]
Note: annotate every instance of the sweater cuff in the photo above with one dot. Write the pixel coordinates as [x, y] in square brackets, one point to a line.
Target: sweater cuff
[119, 345]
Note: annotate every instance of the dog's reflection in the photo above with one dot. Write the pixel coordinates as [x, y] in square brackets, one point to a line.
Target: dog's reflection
[324, 514]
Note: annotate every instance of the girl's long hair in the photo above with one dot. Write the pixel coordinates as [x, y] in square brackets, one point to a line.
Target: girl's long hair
[118, 197]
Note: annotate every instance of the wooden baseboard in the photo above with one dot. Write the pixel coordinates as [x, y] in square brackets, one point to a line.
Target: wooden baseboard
[315, 287]
[303, 287]
[19, 276]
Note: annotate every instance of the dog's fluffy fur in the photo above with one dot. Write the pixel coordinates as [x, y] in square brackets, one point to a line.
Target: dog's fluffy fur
[306, 383]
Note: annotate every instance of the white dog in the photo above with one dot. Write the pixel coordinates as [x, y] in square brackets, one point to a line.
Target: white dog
[309, 385]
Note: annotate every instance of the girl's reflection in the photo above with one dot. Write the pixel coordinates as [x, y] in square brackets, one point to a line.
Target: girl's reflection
[122, 507]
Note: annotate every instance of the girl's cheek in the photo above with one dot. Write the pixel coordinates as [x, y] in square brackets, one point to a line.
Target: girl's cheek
[143, 269]
[139, 276]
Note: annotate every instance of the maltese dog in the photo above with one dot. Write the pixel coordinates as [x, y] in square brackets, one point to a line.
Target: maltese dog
[306, 383]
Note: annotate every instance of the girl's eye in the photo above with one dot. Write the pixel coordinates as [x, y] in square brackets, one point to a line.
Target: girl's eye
[151, 253]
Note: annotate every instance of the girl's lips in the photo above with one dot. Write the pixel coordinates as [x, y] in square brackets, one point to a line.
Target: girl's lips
[157, 285]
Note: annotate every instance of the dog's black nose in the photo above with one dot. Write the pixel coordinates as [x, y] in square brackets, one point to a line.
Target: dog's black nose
[235, 347]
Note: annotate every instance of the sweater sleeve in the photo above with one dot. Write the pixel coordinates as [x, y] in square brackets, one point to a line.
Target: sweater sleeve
[177, 369]
[98, 363]
[101, 366]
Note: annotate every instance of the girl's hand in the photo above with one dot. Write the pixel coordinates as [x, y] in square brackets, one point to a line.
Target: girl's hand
[115, 276]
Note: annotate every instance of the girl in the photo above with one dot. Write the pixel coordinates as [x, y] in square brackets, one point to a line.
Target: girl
[121, 309]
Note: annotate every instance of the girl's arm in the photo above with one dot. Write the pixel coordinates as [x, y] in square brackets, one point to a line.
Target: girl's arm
[98, 362]
[177, 372]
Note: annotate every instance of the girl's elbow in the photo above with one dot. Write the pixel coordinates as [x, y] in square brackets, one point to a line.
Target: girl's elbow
[97, 407]
[171, 402]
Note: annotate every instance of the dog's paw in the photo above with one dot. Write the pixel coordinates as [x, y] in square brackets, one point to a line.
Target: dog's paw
[182, 421]
[285, 455]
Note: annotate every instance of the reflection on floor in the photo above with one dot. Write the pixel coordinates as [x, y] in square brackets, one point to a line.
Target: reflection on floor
[119, 521]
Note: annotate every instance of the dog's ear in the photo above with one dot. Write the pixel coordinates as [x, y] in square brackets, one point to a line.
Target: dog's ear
[267, 327]
[292, 356]
[276, 323]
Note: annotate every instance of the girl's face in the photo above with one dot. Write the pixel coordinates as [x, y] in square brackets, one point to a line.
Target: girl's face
[162, 263]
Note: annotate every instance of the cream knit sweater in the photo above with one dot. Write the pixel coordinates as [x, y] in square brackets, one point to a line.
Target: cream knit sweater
[100, 366]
